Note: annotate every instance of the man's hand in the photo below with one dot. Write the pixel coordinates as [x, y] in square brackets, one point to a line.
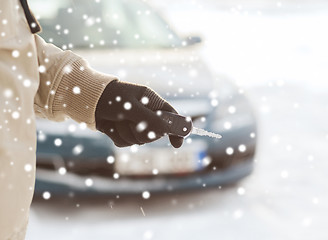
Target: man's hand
[128, 114]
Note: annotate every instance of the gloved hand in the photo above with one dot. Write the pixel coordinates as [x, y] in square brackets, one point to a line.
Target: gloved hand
[128, 114]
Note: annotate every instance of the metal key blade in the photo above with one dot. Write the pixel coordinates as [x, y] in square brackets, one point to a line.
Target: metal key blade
[202, 132]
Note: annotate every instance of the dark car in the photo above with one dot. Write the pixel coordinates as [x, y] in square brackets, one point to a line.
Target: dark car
[129, 39]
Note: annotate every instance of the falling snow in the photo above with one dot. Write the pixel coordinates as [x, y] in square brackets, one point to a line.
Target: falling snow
[27, 83]
[15, 53]
[76, 90]
[271, 199]
[145, 195]
[141, 126]
[145, 100]
[242, 148]
[42, 69]
[241, 191]
[151, 135]
[28, 167]
[46, 195]
[110, 159]
[15, 115]
[88, 182]
[58, 142]
[78, 149]
[229, 151]
[62, 171]
[127, 106]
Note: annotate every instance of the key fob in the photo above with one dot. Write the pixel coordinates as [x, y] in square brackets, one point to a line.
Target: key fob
[178, 125]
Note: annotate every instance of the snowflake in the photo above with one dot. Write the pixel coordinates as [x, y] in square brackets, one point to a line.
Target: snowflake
[145, 100]
[78, 149]
[62, 171]
[206, 161]
[127, 106]
[72, 128]
[27, 83]
[58, 142]
[214, 102]
[41, 137]
[229, 150]
[67, 69]
[110, 159]
[42, 68]
[134, 148]
[83, 125]
[141, 126]
[88, 182]
[28, 167]
[227, 125]
[8, 93]
[241, 191]
[145, 195]
[46, 195]
[242, 148]
[151, 135]
[76, 90]
[232, 109]
[118, 99]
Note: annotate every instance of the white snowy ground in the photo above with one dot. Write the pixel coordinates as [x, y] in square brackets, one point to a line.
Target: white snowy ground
[280, 56]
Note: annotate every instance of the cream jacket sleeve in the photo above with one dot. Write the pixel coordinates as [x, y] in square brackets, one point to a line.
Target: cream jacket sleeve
[68, 88]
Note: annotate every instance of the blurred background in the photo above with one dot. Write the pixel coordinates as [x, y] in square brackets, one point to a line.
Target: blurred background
[275, 54]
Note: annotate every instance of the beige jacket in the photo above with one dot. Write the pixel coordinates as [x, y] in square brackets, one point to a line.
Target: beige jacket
[35, 78]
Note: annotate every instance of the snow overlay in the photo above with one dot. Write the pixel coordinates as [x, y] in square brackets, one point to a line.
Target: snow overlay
[278, 56]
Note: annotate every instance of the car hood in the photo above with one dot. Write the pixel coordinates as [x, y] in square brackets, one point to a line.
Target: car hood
[178, 73]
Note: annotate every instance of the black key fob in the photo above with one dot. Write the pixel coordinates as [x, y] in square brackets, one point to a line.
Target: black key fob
[178, 125]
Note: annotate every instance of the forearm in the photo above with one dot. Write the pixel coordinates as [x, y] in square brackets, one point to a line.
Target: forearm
[68, 86]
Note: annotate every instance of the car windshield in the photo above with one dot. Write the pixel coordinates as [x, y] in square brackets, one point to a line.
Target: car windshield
[102, 24]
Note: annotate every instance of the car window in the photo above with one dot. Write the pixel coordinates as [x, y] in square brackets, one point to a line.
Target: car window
[97, 24]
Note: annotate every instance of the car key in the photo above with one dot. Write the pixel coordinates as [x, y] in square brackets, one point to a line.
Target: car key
[182, 126]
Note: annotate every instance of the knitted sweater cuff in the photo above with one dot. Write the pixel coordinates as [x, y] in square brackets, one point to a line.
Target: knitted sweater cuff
[79, 91]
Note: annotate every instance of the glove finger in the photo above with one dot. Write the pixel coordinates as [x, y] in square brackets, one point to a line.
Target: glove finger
[126, 133]
[144, 133]
[167, 107]
[161, 104]
[176, 141]
[156, 102]
[110, 130]
[152, 121]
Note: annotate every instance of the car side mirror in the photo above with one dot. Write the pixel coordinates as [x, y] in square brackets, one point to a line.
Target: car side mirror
[192, 40]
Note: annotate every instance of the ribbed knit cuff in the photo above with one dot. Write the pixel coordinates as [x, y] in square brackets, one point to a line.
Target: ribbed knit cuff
[155, 101]
[79, 91]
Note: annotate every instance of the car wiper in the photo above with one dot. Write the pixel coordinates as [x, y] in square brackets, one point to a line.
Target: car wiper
[182, 126]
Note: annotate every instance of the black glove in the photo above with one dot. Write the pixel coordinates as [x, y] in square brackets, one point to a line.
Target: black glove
[128, 114]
